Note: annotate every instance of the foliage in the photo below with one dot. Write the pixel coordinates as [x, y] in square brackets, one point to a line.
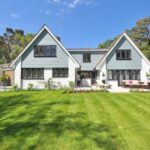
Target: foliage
[49, 84]
[71, 85]
[15, 87]
[140, 34]
[4, 77]
[30, 87]
[106, 44]
[11, 44]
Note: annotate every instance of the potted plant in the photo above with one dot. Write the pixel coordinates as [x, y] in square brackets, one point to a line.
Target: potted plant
[4, 79]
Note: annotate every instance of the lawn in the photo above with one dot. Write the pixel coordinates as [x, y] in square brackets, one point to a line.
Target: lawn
[52, 120]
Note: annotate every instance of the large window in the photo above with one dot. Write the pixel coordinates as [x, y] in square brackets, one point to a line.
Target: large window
[35, 73]
[124, 74]
[87, 57]
[45, 51]
[60, 72]
[123, 54]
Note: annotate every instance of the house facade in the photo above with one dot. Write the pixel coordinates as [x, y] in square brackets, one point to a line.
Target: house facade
[45, 57]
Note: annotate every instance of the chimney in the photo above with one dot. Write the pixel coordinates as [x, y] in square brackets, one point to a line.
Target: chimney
[58, 38]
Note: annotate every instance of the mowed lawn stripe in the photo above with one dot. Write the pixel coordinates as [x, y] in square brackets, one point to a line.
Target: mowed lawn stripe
[120, 117]
[141, 101]
[70, 139]
[137, 112]
[107, 118]
[137, 131]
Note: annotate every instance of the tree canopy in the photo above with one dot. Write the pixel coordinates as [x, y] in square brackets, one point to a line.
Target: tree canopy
[12, 42]
[140, 34]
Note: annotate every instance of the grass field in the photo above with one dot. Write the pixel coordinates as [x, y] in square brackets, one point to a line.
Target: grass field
[46, 120]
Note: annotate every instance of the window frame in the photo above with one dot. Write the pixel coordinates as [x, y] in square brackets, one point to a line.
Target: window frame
[126, 52]
[86, 61]
[30, 72]
[58, 73]
[126, 73]
[46, 47]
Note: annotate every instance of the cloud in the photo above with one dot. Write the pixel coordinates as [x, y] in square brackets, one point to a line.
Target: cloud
[53, 1]
[71, 3]
[14, 15]
[47, 12]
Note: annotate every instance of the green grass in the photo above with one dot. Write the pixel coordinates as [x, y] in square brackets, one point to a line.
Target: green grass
[45, 120]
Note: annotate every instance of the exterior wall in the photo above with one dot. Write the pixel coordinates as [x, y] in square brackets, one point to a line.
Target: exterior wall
[40, 84]
[29, 61]
[135, 63]
[96, 56]
[17, 73]
[145, 69]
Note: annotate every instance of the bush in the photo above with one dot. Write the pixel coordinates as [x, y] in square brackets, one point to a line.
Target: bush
[71, 85]
[15, 87]
[4, 77]
[30, 87]
[49, 84]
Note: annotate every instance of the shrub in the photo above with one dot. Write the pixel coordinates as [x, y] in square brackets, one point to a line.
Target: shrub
[4, 77]
[30, 87]
[15, 87]
[49, 84]
[71, 85]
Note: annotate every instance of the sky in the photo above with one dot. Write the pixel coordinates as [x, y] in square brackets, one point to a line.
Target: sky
[79, 23]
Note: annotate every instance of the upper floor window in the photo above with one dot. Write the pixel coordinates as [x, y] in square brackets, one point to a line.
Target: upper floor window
[123, 55]
[87, 57]
[45, 51]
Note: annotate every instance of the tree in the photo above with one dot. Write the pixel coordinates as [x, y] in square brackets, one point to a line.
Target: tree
[11, 44]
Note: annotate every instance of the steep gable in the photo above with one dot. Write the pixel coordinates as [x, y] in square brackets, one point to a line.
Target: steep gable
[124, 42]
[45, 37]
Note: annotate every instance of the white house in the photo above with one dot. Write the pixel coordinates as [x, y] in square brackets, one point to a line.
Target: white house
[45, 57]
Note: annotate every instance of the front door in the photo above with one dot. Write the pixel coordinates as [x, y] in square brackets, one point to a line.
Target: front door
[120, 76]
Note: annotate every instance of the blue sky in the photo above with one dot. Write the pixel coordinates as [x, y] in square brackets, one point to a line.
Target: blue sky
[79, 23]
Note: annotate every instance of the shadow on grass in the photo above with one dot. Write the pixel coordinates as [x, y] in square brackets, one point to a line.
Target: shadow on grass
[47, 120]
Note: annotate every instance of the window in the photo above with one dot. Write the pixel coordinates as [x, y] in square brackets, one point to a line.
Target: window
[87, 57]
[30, 73]
[60, 72]
[45, 51]
[124, 74]
[123, 55]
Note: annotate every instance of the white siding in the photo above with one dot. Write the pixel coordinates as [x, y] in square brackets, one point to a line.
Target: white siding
[17, 73]
[145, 69]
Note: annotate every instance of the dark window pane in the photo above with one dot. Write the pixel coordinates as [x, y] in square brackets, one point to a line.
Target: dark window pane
[35, 73]
[87, 57]
[123, 54]
[45, 50]
[60, 72]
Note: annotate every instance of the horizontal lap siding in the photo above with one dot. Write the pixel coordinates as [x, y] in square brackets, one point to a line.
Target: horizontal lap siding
[29, 61]
[95, 58]
[135, 63]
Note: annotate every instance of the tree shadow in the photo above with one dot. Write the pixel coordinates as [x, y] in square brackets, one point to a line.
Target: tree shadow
[47, 119]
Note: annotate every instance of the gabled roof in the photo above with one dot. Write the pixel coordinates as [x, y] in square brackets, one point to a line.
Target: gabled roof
[57, 41]
[117, 41]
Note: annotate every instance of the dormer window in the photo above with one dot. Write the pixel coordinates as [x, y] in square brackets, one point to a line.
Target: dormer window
[123, 54]
[45, 50]
[86, 57]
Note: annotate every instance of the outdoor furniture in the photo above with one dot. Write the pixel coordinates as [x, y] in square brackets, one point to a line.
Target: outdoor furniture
[104, 86]
[131, 83]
